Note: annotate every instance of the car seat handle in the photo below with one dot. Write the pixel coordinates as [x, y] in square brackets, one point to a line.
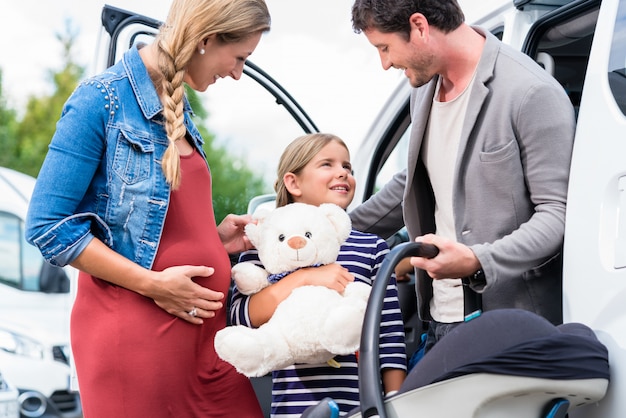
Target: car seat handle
[370, 386]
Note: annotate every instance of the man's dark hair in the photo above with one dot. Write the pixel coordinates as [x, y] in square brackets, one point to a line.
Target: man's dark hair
[389, 16]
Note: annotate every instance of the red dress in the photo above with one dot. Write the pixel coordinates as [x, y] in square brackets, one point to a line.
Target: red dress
[132, 358]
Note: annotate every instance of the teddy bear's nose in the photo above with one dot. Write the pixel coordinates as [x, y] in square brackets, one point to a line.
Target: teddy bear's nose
[296, 242]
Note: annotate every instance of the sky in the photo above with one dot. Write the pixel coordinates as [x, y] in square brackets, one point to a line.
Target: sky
[334, 73]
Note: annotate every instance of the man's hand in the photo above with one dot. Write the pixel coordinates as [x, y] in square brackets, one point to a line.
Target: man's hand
[454, 260]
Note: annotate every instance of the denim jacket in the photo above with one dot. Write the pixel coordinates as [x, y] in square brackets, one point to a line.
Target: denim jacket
[102, 176]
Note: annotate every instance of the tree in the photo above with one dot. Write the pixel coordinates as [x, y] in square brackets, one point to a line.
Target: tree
[8, 130]
[37, 127]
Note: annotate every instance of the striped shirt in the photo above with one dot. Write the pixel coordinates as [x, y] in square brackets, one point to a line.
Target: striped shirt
[299, 386]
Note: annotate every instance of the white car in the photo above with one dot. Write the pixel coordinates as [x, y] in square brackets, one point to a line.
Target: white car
[35, 304]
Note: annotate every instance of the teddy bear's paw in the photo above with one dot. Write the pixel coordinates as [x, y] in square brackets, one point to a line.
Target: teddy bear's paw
[249, 278]
[341, 331]
[357, 291]
[239, 346]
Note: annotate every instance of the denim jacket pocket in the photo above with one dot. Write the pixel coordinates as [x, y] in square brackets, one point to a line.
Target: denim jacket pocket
[133, 157]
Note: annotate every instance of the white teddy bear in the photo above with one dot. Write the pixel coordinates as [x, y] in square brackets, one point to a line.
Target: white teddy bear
[314, 323]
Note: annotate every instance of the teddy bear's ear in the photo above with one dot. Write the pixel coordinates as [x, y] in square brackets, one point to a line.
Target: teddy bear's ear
[339, 218]
[253, 230]
[261, 213]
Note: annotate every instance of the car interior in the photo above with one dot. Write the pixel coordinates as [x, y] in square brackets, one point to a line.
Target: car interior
[561, 43]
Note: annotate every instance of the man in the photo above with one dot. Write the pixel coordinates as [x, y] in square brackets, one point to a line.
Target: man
[488, 163]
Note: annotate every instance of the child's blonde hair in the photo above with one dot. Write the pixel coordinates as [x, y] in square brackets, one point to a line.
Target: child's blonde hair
[296, 156]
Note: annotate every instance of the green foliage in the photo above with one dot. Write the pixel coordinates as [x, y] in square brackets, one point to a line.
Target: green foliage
[233, 183]
[8, 129]
[34, 131]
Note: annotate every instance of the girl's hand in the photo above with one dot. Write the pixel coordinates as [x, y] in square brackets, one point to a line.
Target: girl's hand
[263, 304]
[403, 270]
[333, 276]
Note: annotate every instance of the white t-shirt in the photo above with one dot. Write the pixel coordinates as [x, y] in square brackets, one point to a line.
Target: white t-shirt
[440, 150]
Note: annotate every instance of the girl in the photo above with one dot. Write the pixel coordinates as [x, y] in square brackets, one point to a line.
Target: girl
[316, 169]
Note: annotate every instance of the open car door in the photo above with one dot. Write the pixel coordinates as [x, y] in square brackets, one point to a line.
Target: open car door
[594, 276]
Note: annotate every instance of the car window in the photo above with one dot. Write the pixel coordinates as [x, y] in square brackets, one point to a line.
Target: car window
[561, 43]
[397, 161]
[9, 250]
[617, 59]
[32, 264]
[21, 264]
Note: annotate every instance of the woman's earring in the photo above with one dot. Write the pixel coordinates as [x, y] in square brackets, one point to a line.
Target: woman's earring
[202, 51]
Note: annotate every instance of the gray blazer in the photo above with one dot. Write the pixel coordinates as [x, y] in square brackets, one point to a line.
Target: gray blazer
[510, 185]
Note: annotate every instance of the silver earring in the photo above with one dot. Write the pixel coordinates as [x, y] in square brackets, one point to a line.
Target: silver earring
[202, 51]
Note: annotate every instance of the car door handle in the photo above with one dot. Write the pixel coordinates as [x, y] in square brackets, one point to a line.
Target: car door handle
[620, 238]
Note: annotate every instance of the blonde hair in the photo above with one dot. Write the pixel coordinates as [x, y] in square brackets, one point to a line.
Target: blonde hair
[188, 23]
[295, 157]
